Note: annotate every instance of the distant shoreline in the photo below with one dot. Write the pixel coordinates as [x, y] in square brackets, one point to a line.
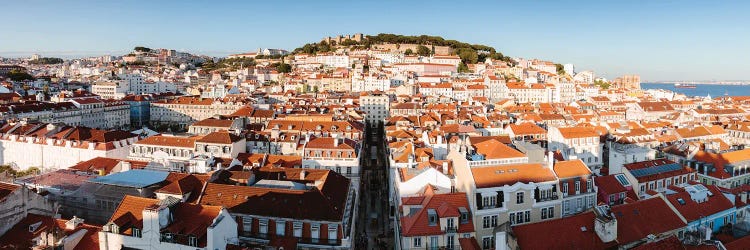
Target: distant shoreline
[702, 83]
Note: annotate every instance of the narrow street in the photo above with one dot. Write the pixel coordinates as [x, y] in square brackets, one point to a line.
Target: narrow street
[372, 229]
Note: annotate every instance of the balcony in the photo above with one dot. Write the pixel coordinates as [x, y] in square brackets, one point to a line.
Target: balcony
[451, 229]
[548, 198]
[300, 240]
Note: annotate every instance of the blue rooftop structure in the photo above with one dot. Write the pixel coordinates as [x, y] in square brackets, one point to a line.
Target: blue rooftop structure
[137, 178]
[656, 170]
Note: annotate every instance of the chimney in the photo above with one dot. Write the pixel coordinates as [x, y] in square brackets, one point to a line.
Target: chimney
[605, 224]
[73, 223]
[51, 127]
[155, 218]
[302, 174]
[550, 160]
[275, 132]
[445, 167]
[125, 166]
[336, 142]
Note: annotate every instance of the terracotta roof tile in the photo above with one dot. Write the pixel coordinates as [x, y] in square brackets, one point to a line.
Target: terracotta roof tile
[220, 137]
[445, 205]
[572, 168]
[495, 176]
[172, 141]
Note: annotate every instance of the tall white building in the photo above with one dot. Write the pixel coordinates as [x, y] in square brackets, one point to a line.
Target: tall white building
[184, 111]
[570, 69]
[130, 84]
[377, 106]
[49, 146]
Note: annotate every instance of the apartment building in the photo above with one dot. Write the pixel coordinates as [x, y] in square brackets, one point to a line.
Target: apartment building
[577, 143]
[576, 186]
[53, 146]
[376, 105]
[184, 111]
[435, 221]
[657, 175]
[727, 170]
[312, 206]
[331, 153]
[168, 224]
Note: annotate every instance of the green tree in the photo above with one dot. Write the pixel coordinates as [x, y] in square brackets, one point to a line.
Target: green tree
[408, 52]
[423, 50]
[602, 84]
[462, 68]
[348, 42]
[47, 60]
[284, 68]
[16, 75]
[560, 69]
[142, 49]
[467, 55]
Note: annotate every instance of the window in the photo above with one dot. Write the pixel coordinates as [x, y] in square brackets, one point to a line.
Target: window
[280, 228]
[136, 232]
[578, 187]
[449, 241]
[247, 223]
[544, 213]
[263, 224]
[315, 231]
[566, 206]
[297, 229]
[417, 242]
[489, 201]
[488, 242]
[450, 223]
[193, 241]
[588, 185]
[333, 231]
[167, 237]
[494, 221]
[464, 215]
[519, 198]
[432, 217]
[565, 188]
[551, 212]
[486, 222]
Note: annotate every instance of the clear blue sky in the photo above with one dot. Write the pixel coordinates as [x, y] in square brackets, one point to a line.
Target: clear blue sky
[660, 40]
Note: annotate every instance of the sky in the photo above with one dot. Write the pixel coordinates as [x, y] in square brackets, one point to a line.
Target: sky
[659, 40]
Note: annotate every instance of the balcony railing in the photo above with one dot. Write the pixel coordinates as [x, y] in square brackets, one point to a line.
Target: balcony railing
[548, 198]
[452, 229]
[300, 240]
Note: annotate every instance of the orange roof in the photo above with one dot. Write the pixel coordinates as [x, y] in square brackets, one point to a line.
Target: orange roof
[527, 128]
[19, 236]
[172, 141]
[445, 205]
[572, 168]
[494, 149]
[130, 211]
[212, 122]
[494, 176]
[719, 160]
[220, 137]
[578, 132]
[106, 164]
